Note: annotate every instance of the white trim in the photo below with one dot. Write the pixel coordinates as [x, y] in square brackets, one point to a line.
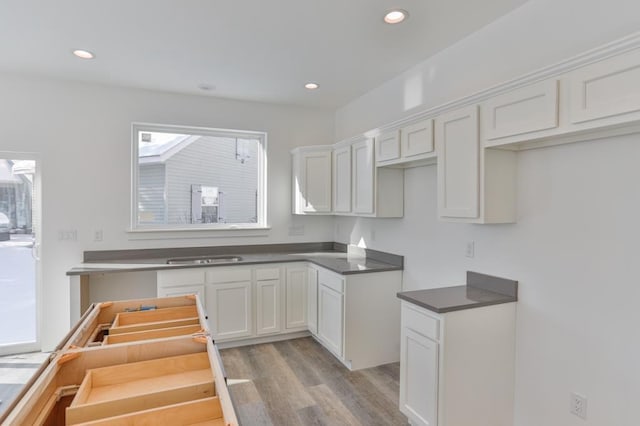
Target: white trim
[261, 202]
[37, 227]
[599, 53]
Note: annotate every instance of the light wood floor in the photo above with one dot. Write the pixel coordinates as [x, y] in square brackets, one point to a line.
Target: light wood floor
[298, 382]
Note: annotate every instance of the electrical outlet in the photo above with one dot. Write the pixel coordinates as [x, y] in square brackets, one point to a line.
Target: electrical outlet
[97, 235]
[470, 249]
[578, 405]
[68, 235]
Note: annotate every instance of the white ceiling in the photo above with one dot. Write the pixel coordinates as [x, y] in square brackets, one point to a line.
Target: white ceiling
[261, 50]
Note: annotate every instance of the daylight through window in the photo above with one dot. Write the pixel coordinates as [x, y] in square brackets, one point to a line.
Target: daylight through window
[198, 178]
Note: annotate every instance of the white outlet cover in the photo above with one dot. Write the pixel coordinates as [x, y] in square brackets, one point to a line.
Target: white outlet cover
[578, 405]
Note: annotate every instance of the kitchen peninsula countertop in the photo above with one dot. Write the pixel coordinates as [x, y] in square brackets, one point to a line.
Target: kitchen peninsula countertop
[333, 256]
[480, 290]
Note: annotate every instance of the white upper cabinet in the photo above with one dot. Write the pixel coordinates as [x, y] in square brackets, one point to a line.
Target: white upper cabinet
[363, 170]
[474, 185]
[312, 180]
[458, 164]
[606, 89]
[388, 146]
[342, 179]
[416, 139]
[406, 147]
[345, 176]
[520, 112]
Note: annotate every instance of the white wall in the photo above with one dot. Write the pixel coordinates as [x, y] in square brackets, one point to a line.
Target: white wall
[574, 247]
[83, 134]
[535, 35]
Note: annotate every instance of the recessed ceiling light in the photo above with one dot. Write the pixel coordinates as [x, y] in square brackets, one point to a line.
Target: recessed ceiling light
[396, 16]
[311, 86]
[83, 54]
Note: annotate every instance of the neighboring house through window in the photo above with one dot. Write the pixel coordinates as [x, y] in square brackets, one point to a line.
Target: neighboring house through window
[198, 178]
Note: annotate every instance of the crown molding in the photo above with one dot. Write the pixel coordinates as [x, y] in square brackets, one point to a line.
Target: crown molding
[608, 50]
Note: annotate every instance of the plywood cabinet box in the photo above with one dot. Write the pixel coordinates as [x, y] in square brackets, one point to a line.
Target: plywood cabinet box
[123, 366]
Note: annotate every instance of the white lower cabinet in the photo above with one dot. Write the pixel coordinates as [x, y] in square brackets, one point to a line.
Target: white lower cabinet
[268, 306]
[296, 297]
[457, 368]
[230, 309]
[312, 301]
[355, 316]
[419, 391]
[359, 317]
[330, 318]
[181, 291]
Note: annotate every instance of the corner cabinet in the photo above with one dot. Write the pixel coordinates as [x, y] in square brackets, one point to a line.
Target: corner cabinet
[475, 185]
[311, 180]
[458, 359]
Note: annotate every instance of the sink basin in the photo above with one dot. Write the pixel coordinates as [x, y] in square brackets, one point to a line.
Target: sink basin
[203, 260]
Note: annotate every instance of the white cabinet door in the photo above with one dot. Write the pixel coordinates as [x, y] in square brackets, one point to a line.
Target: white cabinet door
[267, 306]
[342, 180]
[363, 176]
[525, 110]
[416, 139]
[388, 146]
[316, 181]
[330, 318]
[230, 310]
[296, 298]
[418, 378]
[605, 89]
[458, 147]
[312, 301]
[182, 290]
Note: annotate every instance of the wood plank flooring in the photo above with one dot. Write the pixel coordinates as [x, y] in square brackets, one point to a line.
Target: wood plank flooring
[298, 382]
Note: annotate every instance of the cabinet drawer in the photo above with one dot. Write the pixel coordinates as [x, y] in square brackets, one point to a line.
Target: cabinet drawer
[333, 281]
[180, 277]
[267, 274]
[227, 275]
[420, 322]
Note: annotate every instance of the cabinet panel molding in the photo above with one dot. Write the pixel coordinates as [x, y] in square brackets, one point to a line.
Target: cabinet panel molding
[607, 88]
[529, 109]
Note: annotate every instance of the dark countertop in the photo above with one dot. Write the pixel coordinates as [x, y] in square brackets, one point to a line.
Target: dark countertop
[481, 290]
[338, 261]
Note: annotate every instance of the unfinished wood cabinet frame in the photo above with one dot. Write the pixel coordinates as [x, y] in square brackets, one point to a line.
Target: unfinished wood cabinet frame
[67, 369]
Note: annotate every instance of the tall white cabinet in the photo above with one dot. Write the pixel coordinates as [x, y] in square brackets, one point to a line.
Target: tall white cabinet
[457, 368]
[311, 180]
[474, 185]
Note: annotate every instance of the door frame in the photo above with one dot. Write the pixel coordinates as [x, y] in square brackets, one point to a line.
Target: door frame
[37, 252]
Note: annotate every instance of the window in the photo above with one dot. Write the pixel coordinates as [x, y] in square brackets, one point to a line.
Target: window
[197, 178]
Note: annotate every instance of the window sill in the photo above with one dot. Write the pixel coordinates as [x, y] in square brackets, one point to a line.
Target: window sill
[194, 233]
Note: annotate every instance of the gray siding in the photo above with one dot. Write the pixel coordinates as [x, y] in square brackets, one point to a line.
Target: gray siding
[211, 161]
[151, 180]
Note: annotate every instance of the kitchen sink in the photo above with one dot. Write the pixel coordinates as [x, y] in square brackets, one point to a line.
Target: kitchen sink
[203, 260]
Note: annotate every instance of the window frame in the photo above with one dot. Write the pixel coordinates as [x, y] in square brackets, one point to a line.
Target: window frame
[261, 202]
